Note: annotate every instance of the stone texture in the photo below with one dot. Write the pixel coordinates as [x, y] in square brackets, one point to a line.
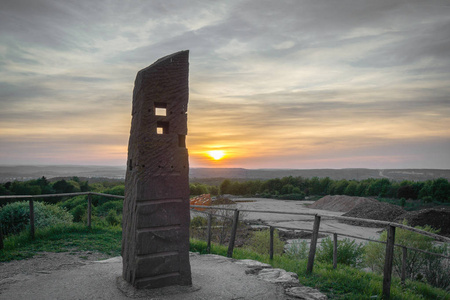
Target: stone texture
[155, 242]
[306, 293]
[277, 276]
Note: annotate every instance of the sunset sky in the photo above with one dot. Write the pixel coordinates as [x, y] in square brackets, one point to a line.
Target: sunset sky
[273, 84]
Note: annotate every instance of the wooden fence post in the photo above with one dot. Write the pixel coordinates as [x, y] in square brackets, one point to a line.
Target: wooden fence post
[388, 260]
[312, 247]
[404, 257]
[335, 246]
[233, 233]
[89, 210]
[32, 218]
[208, 234]
[1, 237]
[271, 242]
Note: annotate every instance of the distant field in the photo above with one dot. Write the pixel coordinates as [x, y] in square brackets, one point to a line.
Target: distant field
[216, 175]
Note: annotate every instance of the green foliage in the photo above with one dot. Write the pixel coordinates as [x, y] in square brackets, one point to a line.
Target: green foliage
[419, 265]
[63, 238]
[78, 212]
[198, 221]
[77, 206]
[116, 205]
[345, 282]
[298, 249]
[348, 252]
[15, 217]
[112, 218]
[260, 242]
[287, 187]
[196, 189]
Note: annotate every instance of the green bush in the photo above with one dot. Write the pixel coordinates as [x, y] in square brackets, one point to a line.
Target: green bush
[298, 249]
[73, 202]
[198, 221]
[348, 252]
[260, 242]
[78, 212]
[14, 217]
[116, 205]
[418, 265]
[112, 218]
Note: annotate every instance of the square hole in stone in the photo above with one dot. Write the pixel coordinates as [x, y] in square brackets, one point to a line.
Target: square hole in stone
[162, 127]
[181, 141]
[160, 109]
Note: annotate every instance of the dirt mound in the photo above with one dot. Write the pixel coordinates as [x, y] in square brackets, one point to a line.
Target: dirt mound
[374, 210]
[437, 218]
[339, 203]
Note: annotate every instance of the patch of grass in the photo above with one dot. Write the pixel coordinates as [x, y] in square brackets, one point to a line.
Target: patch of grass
[344, 282]
[63, 239]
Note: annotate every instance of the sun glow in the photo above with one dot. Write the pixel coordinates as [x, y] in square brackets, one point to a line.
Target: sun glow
[216, 154]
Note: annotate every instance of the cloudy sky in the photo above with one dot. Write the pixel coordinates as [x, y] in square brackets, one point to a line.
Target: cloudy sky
[274, 84]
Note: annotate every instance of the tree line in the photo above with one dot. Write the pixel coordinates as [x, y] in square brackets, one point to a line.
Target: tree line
[299, 188]
[284, 188]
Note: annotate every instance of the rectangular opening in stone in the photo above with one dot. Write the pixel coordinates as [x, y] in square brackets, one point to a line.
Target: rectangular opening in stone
[162, 127]
[181, 141]
[160, 109]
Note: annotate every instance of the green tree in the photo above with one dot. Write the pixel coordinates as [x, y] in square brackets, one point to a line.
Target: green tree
[441, 190]
[351, 188]
[225, 186]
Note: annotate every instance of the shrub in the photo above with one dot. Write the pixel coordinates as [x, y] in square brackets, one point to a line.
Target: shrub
[260, 242]
[73, 202]
[298, 249]
[15, 217]
[418, 265]
[198, 221]
[112, 218]
[116, 205]
[348, 252]
[78, 212]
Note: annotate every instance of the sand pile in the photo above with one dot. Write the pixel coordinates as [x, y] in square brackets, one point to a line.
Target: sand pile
[374, 210]
[340, 203]
[437, 218]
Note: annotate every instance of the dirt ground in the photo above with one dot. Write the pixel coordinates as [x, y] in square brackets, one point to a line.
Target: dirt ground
[44, 263]
[298, 221]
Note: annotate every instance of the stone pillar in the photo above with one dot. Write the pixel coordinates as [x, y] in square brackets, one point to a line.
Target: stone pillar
[155, 242]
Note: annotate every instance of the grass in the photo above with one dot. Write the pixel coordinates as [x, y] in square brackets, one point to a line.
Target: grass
[63, 239]
[341, 283]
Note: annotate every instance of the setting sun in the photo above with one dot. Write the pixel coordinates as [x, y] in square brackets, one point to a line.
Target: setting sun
[216, 154]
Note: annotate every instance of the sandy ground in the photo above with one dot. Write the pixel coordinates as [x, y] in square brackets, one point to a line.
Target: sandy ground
[300, 222]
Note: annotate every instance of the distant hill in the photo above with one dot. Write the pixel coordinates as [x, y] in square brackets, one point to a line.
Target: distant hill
[214, 175]
[357, 174]
[22, 173]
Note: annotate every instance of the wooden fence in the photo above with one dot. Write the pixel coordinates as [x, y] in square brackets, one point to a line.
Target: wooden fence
[390, 243]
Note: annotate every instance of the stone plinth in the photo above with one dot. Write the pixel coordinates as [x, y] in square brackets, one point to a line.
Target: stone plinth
[155, 242]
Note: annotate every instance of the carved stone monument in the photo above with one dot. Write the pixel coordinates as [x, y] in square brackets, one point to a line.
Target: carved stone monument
[155, 242]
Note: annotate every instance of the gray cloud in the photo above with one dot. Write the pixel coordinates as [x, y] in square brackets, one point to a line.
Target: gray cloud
[258, 69]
